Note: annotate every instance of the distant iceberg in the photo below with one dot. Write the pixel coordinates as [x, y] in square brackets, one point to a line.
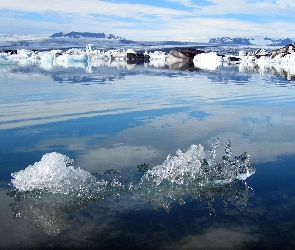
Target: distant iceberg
[181, 59]
[282, 55]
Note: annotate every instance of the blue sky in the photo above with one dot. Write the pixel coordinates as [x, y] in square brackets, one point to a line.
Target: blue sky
[187, 20]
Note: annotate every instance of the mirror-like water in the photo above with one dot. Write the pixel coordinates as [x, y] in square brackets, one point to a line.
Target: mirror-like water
[119, 124]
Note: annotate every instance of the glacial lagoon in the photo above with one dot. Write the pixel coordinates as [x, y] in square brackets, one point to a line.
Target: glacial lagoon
[118, 122]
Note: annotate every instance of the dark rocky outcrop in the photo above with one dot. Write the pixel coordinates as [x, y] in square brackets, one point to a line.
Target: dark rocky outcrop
[185, 54]
[234, 59]
[10, 51]
[137, 58]
[190, 53]
[288, 49]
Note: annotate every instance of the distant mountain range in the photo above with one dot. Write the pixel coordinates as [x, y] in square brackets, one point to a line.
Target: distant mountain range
[279, 42]
[231, 41]
[249, 41]
[217, 41]
[78, 35]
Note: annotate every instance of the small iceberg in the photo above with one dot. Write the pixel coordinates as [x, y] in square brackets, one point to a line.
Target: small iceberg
[191, 176]
[192, 165]
[207, 61]
[54, 174]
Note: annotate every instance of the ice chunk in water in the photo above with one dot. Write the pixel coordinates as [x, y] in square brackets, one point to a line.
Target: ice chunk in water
[177, 168]
[54, 174]
[191, 174]
[47, 190]
[193, 165]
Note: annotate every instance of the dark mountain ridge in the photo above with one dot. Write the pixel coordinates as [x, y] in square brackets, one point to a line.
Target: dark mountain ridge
[78, 35]
[230, 41]
[279, 42]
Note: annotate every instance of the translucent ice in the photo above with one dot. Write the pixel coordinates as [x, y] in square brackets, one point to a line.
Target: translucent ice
[193, 165]
[47, 191]
[190, 174]
[54, 175]
[178, 168]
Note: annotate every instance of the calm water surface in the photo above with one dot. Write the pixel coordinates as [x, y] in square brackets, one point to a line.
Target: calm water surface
[118, 118]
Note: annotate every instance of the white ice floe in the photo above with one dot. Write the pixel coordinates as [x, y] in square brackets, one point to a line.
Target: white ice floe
[208, 61]
[278, 60]
[6, 59]
[284, 55]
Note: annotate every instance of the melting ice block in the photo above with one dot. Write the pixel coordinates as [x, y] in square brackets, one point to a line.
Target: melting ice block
[192, 165]
[175, 169]
[207, 61]
[192, 175]
[54, 175]
[54, 186]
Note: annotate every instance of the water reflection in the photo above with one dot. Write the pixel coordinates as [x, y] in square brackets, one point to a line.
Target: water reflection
[236, 193]
[285, 71]
[141, 115]
[101, 71]
[50, 212]
[147, 106]
[54, 212]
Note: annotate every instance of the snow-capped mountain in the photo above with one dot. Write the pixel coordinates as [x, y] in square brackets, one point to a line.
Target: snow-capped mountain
[279, 42]
[77, 35]
[62, 40]
[231, 41]
[262, 41]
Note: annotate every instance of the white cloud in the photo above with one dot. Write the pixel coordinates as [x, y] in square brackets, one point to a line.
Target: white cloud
[147, 22]
[118, 157]
[187, 3]
[89, 7]
[285, 3]
[259, 8]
